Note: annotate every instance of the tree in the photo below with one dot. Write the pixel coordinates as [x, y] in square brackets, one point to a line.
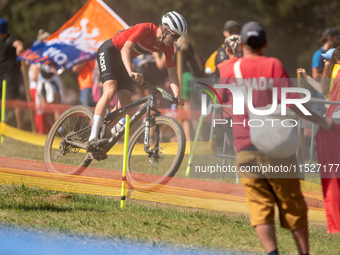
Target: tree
[292, 26]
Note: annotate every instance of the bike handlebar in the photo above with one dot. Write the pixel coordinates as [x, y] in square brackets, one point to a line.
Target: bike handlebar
[153, 88]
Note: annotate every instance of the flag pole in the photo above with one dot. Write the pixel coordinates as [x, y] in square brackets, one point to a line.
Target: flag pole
[3, 105]
[126, 143]
[24, 68]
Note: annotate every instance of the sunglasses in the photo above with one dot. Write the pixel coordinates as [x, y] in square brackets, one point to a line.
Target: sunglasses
[174, 35]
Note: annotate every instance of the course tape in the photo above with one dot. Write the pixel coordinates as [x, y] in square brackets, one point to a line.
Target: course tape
[39, 140]
[111, 187]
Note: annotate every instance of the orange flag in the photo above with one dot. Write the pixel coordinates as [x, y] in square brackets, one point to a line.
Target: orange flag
[79, 38]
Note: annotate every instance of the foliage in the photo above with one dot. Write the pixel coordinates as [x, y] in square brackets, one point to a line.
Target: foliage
[292, 26]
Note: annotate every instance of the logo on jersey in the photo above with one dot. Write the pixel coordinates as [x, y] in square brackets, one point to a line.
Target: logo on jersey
[102, 62]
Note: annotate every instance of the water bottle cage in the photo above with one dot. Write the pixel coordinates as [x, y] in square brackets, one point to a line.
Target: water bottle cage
[115, 130]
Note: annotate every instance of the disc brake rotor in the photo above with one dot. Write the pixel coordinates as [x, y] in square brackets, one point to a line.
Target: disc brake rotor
[64, 147]
[157, 158]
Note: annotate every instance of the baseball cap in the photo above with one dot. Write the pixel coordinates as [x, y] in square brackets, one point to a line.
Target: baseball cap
[332, 31]
[3, 26]
[230, 24]
[328, 54]
[253, 34]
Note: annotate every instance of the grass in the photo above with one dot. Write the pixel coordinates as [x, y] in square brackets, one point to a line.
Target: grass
[152, 223]
[157, 224]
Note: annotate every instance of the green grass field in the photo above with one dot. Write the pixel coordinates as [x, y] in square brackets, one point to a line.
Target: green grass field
[153, 223]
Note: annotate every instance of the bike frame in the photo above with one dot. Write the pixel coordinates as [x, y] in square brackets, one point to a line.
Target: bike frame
[148, 107]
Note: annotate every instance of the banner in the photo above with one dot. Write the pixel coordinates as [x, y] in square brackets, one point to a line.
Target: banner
[79, 38]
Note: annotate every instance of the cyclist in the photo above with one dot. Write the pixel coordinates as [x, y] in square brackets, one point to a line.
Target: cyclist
[115, 64]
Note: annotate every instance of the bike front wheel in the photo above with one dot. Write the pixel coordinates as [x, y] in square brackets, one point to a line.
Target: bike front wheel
[167, 146]
[61, 157]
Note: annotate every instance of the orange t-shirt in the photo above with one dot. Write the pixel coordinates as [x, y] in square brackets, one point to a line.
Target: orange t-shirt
[85, 75]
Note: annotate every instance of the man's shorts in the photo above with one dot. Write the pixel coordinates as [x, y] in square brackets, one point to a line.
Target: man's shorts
[48, 89]
[111, 66]
[186, 79]
[13, 81]
[262, 194]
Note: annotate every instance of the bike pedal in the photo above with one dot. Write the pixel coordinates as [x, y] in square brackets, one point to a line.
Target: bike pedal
[97, 155]
[96, 145]
[90, 156]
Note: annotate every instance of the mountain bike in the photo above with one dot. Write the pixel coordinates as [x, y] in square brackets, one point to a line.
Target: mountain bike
[156, 149]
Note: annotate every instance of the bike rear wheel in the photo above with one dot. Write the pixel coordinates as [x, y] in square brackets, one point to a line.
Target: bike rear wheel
[145, 171]
[60, 157]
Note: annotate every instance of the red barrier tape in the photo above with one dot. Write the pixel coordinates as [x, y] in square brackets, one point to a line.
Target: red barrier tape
[60, 108]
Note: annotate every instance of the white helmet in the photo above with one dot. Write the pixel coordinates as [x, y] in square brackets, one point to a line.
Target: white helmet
[175, 22]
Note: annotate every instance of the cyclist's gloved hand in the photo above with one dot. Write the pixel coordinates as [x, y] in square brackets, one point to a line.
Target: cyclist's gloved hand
[137, 77]
[180, 101]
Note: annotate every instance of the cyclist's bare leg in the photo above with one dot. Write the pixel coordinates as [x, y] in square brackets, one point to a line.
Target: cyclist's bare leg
[109, 92]
[123, 98]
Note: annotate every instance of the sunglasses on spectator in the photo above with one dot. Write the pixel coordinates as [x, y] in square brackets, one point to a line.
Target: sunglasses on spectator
[174, 35]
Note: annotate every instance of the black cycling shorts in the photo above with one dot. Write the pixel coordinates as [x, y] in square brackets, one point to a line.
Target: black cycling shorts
[111, 66]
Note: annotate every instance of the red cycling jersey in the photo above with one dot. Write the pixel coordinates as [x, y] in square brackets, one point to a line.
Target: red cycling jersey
[143, 36]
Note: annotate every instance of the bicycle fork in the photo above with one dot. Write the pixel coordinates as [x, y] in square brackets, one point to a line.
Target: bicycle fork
[155, 134]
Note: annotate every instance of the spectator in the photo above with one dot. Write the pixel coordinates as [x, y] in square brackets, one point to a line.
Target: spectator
[234, 52]
[231, 27]
[262, 191]
[34, 76]
[191, 68]
[49, 90]
[330, 82]
[85, 79]
[329, 86]
[10, 48]
[330, 39]
[33, 72]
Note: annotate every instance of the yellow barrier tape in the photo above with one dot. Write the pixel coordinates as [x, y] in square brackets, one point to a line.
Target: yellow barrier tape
[21, 135]
[101, 186]
[160, 188]
[39, 140]
[315, 215]
[59, 185]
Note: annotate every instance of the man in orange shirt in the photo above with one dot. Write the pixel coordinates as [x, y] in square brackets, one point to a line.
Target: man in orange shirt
[85, 80]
